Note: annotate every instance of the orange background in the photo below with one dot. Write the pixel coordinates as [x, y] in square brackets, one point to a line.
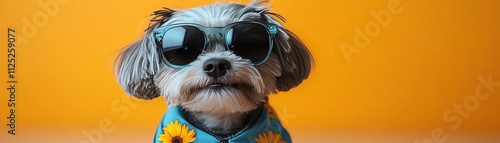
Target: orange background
[396, 89]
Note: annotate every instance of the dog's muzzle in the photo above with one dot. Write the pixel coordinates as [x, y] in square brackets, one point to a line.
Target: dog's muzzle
[216, 67]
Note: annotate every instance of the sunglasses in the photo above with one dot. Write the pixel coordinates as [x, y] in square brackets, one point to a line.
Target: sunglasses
[181, 44]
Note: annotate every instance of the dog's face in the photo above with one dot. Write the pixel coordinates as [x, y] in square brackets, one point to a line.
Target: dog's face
[220, 58]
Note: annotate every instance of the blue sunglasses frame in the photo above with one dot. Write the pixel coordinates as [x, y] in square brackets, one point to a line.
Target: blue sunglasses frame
[160, 32]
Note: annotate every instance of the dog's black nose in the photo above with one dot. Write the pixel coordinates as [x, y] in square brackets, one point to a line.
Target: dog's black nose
[216, 67]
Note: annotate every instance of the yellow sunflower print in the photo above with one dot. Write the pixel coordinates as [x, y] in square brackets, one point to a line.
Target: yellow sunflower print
[177, 133]
[269, 137]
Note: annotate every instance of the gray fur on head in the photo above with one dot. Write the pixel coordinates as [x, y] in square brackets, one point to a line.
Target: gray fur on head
[142, 74]
[140, 61]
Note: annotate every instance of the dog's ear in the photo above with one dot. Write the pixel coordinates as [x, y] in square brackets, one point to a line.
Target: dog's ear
[296, 60]
[138, 62]
[136, 67]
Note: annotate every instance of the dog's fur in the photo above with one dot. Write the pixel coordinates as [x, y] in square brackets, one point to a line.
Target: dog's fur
[142, 73]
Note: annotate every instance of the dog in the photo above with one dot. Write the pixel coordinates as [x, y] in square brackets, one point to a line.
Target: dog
[215, 65]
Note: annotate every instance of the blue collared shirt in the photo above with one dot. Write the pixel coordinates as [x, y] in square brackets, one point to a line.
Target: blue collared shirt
[265, 127]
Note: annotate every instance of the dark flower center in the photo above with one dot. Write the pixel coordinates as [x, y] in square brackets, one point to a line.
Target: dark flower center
[177, 139]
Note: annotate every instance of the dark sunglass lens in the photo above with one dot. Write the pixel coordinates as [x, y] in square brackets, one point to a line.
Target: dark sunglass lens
[182, 45]
[249, 41]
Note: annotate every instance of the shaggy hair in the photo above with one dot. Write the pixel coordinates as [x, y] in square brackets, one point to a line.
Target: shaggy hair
[142, 73]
